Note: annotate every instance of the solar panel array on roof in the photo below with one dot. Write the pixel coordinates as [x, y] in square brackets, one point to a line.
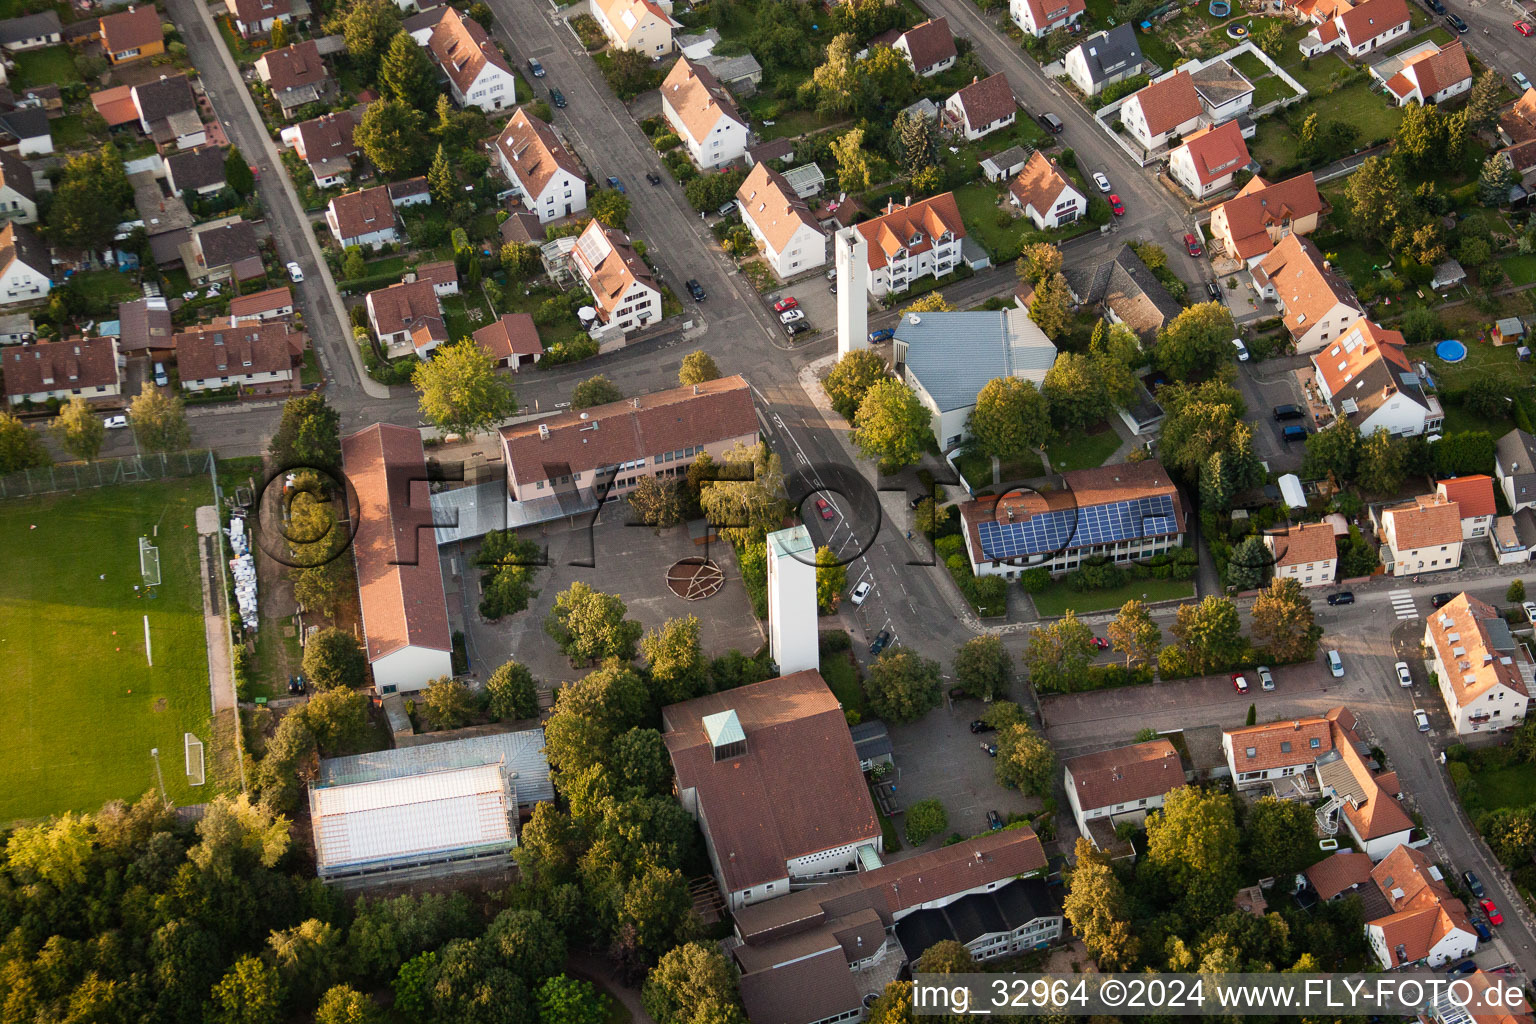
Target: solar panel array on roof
[1078, 527]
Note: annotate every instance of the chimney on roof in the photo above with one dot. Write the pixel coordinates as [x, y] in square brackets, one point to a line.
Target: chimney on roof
[543, 431]
[695, 389]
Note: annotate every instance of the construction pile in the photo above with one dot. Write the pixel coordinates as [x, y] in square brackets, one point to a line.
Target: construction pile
[243, 566]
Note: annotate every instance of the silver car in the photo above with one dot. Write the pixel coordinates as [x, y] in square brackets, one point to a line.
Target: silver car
[1266, 678]
[1404, 677]
[1336, 664]
[1421, 717]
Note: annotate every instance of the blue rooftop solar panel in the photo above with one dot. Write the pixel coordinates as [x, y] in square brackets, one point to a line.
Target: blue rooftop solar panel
[1094, 524]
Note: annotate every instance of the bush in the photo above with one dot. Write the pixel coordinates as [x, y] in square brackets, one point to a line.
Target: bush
[835, 641]
[924, 819]
[1034, 581]
[1098, 677]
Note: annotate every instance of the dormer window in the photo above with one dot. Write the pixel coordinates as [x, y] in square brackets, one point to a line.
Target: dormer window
[917, 236]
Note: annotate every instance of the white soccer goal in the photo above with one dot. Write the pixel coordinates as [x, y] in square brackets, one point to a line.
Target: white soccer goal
[149, 562]
[194, 748]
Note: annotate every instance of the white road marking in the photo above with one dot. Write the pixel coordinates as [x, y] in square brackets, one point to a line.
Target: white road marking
[1402, 604]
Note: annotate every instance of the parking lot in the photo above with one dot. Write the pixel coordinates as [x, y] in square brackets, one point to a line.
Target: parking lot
[814, 294]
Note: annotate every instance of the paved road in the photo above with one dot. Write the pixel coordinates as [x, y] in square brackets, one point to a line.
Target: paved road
[1493, 36]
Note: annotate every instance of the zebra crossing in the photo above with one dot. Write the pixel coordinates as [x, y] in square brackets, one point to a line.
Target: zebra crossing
[1402, 604]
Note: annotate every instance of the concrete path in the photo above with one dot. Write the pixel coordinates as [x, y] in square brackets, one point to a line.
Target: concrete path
[210, 553]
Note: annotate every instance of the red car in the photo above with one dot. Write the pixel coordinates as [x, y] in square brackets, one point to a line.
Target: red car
[1193, 245]
[1523, 28]
[1116, 205]
[1239, 683]
[788, 302]
[1494, 917]
[1100, 643]
[825, 508]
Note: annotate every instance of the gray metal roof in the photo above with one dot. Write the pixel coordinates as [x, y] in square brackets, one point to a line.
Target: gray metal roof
[1013, 156]
[521, 755]
[1108, 53]
[732, 69]
[953, 355]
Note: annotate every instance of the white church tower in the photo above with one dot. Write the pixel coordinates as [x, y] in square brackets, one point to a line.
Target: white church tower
[792, 636]
[851, 257]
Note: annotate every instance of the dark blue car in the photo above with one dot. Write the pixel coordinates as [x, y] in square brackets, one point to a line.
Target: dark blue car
[883, 334]
[1484, 933]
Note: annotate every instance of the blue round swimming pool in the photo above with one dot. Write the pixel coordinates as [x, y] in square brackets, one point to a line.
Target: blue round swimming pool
[1221, 8]
[1451, 351]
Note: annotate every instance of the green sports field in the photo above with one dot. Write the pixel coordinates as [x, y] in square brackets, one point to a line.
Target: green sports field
[80, 707]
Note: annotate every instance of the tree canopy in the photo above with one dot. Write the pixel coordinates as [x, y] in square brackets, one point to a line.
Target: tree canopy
[459, 391]
[893, 426]
[1011, 418]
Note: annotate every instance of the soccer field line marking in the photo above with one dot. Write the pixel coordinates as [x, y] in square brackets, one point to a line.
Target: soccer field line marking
[148, 652]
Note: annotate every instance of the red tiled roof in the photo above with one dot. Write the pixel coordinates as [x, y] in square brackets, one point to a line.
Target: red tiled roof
[1371, 19]
[1280, 744]
[513, 335]
[1423, 909]
[294, 66]
[1168, 103]
[326, 141]
[1479, 667]
[1303, 544]
[261, 302]
[1473, 493]
[530, 146]
[363, 212]
[401, 306]
[1426, 521]
[133, 29]
[896, 228]
[115, 105]
[59, 366]
[698, 98]
[1440, 70]
[1306, 288]
[1123, 774]
[1259, 205]
[1039, 184]
[254, 12]
[617, 269]
[930, 42]
[1340, 873]
[1217, 152]
[767, 201]
[462, 49]
[1047, 12]
[211, 351]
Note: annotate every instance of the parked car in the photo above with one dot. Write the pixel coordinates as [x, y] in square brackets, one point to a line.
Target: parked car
[653, 177]
[557, 98]
[1213, 290]
[1484, 933]
[1437, 600]
[883, 334]
[824, 507]
[1474, 886]
[994, 821]
[1116, 206]
[1266, 677]
[1421, 719]
[1454, 20]
[1288, 412]
[1465, 967]
[980, 725]
[789, 316]
[794, 329]
[615, 184]
[1193, 245]
[990, 748]
[696, 290]
[115, 422]
[1521, 82]
[161, 379]
[787, 302]
[1529, 607]
[1342, 597]
[1101, 181]
[1335, 664]
[1294, 432]
[1239, 683]
[1404, 677]
[1435, 5]
[860, 592]
[1242, 350]
[1100, 643]
[1494, 917]
[881, 640]
[1051, 123]
[295, 272]
[535, 68]
[727, 208]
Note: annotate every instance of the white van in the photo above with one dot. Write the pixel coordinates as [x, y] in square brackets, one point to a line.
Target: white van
[161, 380]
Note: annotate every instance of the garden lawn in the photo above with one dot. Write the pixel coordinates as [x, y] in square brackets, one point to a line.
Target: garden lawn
[1514, 786]
[843, 680]
[1276, 143]
[69, 132]
[976, 468]
[1482, 359]
[1083, 450]
[978, 208]
[1058, 598]
[1316, 74]
[1267, 90]
[1521, 269]
[1251, 67]
[50, 65]
[456, 311]
[83, 707]
[105, 286]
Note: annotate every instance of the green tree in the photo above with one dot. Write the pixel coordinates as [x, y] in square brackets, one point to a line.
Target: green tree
[279, 35]
[1039, 261]
[1050, 309]
[332, 658]
[1420, 135]
[1011, 418]
[237, 173]
[1201, 420]
[1251, 564]
[89, 200]
[392, 135]
[933, 302]
[589, 625]
[747, 499]
[251, 992]
[159, 422]
[1283, 623]
[1193, 845]
[1197, 342]
[343, 1004]
[675, 660]
[1510, 833]
[1383, 462]
[1280, 835]
[657, 912]
[309, 434]
[566, 1000]
[1335, 450]
[338, 719]
[20, 448]
[1515, 593]
[610, 207]
[698, 367]
[924, 819]
[902, 687]
[853, 169]
[850, 379]
[1420, 324]
[353, 265]
[79, 429]
[930, 517]
[894, 1005]
[520, 260]
[1134, 634]
[1210, 633]
[406, 74]
[306, 956]
[692, 984]
[1075, 392]
[892, 425]
[596, 390]
[369, 26]
[836, 80]
[1097, 909]
[656, 502]
[449, 702]
[512, 693]
[983, 667]
[1495, 180]
[885, 80]
[441, 180]
[508, 563]
[831, 580]
[1058, 652]
[1485, 99]
[1024, 760]
[1374, 193]
[916, 139]
[459, 392]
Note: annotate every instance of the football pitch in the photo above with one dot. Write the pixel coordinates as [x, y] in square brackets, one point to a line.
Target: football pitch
[80, 705]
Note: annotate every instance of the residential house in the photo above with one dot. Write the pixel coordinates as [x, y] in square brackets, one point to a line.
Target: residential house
[410, 192]
[784, 828]
[1485, 1006]
[1126, 513]
[929, 47]
[1426, 73]
[443, 275]
[1517, 130]
[261, 356]
[575, 461]
[1104, 59]
[84, 367]
[623, 288]
[221, 251]
[1125, 291]
[16, 328]
[132, 34]
[256, 17]
[264, 305]
[1041, 17]
[1513, 538]
[199, 171]
[981, 108]
[1474, 495]
[1044, 193]
[1325, 755]
[399, 581]
[918, 240]
[115, 105]
[1486, 676]
[1316, 303]
[296, 75]
[144, 327]
[478, 75]
[26, 131]
[18, 190]
[512, 341]
[1448, 274]
[1262, 214]
[781, 223]
[541, 168]
[1346, 873]
[1514, 466]
[642, 26]
[703, 115]
[167, 112]
[1164, 109]
[1365, 375]
[325, 144]
[740, 73]
[1120, 784]
[1425, 924]
[1360, 29]
[31, 32]
[814, 955]
[364, 218]
[1003, 166]
[1209, 158]
[396, 312]
[1224, 92]
[947, 358]
[1304, 552]
[1422, 535]
[26, 269]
